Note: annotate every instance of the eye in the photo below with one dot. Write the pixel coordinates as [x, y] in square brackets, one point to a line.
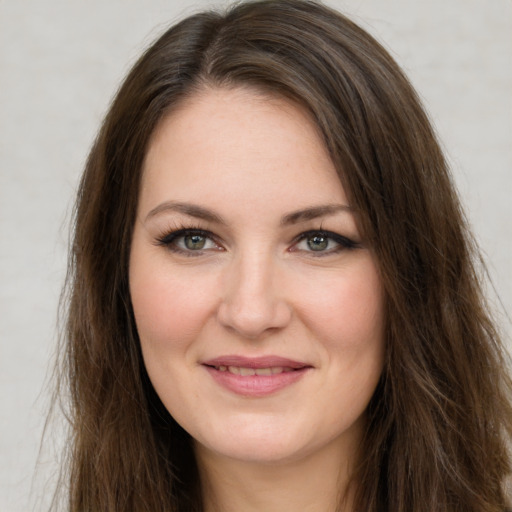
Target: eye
[322, 242]
[189, 241]
[194, 241]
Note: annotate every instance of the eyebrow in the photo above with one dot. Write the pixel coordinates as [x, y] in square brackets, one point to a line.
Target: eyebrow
[192, 210]
[199, 212]
[314, 212]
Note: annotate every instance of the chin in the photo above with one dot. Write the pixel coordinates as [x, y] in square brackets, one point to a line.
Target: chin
[255, 451]
[262, 442]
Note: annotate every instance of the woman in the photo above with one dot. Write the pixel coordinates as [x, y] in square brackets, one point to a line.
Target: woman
[273, 301]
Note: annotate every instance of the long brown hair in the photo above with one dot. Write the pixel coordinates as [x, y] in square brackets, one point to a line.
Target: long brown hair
[440, 418]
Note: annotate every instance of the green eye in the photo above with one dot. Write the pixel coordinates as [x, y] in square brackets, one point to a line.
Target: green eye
[318, 242]
[190, 242]
[194, 242]
[323, 243]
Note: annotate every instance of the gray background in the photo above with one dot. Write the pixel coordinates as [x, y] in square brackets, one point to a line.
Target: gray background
[60, 63]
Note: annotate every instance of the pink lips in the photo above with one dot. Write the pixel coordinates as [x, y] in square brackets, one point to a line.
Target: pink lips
[257, 376]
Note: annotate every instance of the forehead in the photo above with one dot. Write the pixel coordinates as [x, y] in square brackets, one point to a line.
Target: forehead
[239, 143]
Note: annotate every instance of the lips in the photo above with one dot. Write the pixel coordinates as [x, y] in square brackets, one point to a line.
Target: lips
[256, 377]
[255, 362]
[244, 371]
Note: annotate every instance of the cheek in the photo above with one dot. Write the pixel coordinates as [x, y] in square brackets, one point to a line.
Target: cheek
[346, 308]
[349, 320]
[169, 308]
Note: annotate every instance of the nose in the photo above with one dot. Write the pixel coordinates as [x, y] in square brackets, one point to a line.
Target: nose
[253, 302]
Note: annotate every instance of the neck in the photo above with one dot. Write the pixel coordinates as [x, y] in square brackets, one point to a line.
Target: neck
[315, 483]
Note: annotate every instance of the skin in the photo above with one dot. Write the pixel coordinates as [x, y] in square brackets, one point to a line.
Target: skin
[256, 288]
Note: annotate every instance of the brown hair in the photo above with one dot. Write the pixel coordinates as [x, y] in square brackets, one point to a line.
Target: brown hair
[440, 419]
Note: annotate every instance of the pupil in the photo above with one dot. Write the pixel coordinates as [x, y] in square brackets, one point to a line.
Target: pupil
[318, 243]
[195, 242]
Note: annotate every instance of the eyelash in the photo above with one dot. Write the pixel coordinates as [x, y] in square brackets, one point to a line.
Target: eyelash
[170, 239]
[343, 243]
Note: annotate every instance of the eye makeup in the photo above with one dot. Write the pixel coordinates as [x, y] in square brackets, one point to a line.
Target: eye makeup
[193, 240]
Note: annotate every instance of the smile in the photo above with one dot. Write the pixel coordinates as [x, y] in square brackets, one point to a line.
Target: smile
[240, 370]
[255, 377]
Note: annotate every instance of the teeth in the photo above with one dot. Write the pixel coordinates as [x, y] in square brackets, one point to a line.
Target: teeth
[244, 372]
[263, 371]
[247, 371]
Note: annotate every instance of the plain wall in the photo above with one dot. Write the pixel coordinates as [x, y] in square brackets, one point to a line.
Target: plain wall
[60, 63]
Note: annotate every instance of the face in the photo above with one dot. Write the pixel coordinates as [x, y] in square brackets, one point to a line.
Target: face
[257, 301]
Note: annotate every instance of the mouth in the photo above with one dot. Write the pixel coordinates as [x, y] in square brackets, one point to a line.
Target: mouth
[244, 372]
[256, 377]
